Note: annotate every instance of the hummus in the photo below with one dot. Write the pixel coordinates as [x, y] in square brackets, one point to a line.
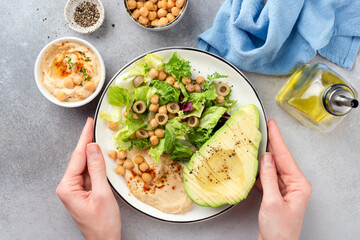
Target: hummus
[166, 190]
[69, 71]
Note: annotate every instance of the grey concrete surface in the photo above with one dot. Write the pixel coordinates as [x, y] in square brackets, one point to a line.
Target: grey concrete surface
[37, 137]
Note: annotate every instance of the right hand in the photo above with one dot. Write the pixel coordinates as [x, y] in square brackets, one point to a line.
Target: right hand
[286, 191]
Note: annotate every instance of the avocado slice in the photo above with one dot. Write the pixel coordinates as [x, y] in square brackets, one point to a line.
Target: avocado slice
[224, 169]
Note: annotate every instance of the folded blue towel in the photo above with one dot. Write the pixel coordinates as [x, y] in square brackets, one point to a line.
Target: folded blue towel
[276, 37]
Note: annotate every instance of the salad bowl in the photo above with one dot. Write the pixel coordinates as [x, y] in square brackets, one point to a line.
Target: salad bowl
[202, 64]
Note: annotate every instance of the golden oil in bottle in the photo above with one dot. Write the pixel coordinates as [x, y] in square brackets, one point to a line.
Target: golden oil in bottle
[317, 97]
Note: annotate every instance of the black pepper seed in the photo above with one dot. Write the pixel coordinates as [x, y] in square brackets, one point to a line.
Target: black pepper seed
[86, 14]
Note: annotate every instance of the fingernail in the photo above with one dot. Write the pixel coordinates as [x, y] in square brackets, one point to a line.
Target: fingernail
[267, 160]
[92, 150]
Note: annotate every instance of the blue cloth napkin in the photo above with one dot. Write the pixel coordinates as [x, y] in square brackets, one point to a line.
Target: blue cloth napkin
[276, 37]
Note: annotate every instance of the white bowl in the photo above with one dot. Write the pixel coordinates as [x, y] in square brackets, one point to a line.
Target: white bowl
[159, 28]
[69, 16]
[52, 98]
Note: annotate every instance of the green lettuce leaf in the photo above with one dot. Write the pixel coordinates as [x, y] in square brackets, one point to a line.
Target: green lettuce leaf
[139, 143]
[208, 95]
[120, 144]
[156, 152]
[167, 93]
[184, 92]
[216, 75]
[181, 152]
[178, 67]
[130, 127]
[198, 109]
[181, 129]
[141, 94]
[114, 116]
[199, 136]
[118, 96]
[211, 116]
[170, 137]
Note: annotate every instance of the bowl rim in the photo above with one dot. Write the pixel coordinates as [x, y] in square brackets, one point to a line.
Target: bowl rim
[84, 30]
[159, 50]
[52, 98]
[157, 28]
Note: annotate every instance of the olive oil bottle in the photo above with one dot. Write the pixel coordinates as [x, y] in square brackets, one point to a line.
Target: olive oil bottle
[317, 97]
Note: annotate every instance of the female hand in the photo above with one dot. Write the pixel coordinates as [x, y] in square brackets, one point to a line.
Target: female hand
[286, 191]
[85, 192]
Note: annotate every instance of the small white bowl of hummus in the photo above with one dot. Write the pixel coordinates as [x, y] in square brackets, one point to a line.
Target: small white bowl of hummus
[69, 72]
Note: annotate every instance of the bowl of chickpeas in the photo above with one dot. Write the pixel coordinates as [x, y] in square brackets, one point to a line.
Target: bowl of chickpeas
[156, 15]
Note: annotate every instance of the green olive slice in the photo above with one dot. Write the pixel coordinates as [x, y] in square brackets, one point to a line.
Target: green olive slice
[223, 89]
[173, 107]
[142, 134]
[161, 118]
[193, 121]
[139, 107]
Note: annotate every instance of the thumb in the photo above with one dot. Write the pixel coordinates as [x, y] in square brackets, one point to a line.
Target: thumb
[96, 167]
[268, 177]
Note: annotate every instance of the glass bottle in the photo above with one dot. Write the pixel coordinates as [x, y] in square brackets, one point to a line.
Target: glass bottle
[317, 97]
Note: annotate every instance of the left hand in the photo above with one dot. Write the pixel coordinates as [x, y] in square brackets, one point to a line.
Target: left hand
[86, 193]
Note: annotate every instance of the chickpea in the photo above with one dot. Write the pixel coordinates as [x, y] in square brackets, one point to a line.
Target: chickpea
[154, 124]
[180, 3]
[139, 159]
[146, 177]
[153, 73]
[132, 137]
[151, 133]
[139, 5]
[112, 125]
[120, 161]
[136, 13]
[154, 1]
[162, 76]
[175, 11]
[170, 17]
[163, 109]
[154, 99]
[220, 99]
[143, 166]
[200, 80]
[190, 87]
[186, 80]
[154, 107]
[193, 148]
[135, 116]
[155, 8]
[121, 155]
[163, 21]
[112, 154]
[90, 86]
[170, 80]
[131, 4]
[164, 4]
[154, 140]
[61, 58]
[170, 3]
[144, 11]
[160, 133]
[159, 4]
[197, 88]
[69, 83]
[155, 23]
[125, 114]
[77, 79]
[149, 5]
[152, 15]
[128, 164]
[120, 170]
[162, 12]
[177, 85]
[143, 20]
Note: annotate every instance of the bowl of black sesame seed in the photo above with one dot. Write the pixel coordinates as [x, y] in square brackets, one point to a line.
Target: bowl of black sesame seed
[84, 16]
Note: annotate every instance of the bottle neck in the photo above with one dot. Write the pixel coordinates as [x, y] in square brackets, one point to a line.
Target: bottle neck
[339, 99]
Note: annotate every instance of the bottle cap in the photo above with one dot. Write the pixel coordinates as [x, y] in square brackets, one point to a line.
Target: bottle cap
[339, 99]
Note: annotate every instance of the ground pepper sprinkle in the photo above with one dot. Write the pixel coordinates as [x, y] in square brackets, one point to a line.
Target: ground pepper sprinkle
[86, 14]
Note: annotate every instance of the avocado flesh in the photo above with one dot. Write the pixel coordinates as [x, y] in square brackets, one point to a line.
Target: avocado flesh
[225, 167]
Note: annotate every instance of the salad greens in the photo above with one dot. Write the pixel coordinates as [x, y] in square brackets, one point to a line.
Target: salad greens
[179, 136]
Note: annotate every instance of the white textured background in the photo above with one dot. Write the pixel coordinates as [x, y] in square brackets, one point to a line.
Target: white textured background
[37, 137]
